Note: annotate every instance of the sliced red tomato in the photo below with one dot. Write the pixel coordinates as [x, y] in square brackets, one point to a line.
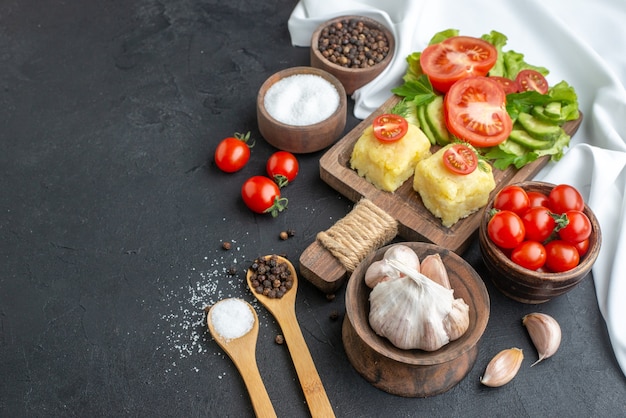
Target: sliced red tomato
[389, 127]
[455, 58]
[475, 110]
[529, 80]
[509, 86]
[460, 159]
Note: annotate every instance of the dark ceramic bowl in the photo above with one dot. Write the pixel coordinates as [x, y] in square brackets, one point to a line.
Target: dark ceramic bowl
[528, 286]
[301, 139]
[414, 373]
[351, 78]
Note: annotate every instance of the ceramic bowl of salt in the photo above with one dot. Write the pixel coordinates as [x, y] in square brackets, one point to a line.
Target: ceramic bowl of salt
[301, 109]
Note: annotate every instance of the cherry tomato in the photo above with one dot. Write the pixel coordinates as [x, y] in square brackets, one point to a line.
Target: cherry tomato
[509, 86]
[561, 256]
[282, 166]
[460, 159]
[529, 80]
[512, 198]
[539, 223]
[262, 195]
[578, 227]
[389, 127]
[538, 199]
[456, 58]
[233, 153]
[529, 254]
[475, 110]
[582, 247]
[564, 197]
[506, 229]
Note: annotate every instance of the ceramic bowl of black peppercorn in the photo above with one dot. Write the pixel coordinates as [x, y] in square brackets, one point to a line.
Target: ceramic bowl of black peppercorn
[355, 49]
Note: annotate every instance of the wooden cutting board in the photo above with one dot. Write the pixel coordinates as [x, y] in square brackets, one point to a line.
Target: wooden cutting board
[415, 222]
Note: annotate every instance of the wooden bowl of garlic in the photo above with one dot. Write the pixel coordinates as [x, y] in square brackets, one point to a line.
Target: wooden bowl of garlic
[412, 372]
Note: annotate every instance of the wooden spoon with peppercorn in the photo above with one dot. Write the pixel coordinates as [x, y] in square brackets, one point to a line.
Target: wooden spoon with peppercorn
[242, 351]
[274, 282]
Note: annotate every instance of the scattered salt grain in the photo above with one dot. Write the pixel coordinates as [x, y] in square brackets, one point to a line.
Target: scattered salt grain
[232, 318]
[301, 99]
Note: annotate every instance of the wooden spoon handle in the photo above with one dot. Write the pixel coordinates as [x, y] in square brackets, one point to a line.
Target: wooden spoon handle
[256, 388]
[312, 386]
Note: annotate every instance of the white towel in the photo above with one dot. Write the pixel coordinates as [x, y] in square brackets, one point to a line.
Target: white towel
[579, 41]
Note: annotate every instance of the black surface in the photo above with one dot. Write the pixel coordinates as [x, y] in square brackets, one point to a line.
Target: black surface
[113, 215]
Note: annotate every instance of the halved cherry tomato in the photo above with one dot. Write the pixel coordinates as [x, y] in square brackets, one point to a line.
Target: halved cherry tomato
[506, 229]
[262, 195]
[513, 198]
[529, 254]
[389, 127]
[475, 110]
[564, 197]
[529, 80]
[509, 86]
[233, 153]
[282, 167]
[456, 58]
[539, 223]
[561, 256]
[460, 159]
[538, 199]
[578, 227]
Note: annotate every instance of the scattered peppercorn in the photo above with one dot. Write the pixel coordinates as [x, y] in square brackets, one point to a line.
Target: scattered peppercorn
[351, 43]
[279, 339]
[232, 270]
[330, 297]
[271, 277]
[226, 245]
[334, 315]
[291, 232]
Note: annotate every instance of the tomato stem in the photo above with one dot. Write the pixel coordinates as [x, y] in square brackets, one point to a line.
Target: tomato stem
[280, 204]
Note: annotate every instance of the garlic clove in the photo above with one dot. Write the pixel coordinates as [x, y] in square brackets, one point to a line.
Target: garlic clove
[545, 333]
[403, 254]
[432, 267]
[379, 271]
[503, 367]
[457, 321]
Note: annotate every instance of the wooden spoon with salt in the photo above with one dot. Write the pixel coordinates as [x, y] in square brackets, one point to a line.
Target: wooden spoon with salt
[283, 310]
[242, 351]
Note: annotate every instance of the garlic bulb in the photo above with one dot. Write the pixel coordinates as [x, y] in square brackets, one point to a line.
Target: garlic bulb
[414, 312]
[380, 271]
[502, 368]
[432, 267]
[545, 333]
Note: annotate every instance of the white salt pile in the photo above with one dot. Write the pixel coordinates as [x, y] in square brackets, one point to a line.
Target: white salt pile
[301, 99]
[232, 318]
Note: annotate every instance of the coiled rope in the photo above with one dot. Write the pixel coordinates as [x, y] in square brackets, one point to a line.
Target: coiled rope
[364, 229]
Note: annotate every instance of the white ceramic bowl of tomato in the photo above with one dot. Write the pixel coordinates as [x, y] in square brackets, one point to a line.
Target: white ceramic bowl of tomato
[538, 240]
